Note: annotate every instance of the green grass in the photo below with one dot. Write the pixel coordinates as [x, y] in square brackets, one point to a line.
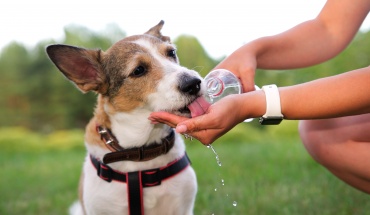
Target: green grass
[265, 171]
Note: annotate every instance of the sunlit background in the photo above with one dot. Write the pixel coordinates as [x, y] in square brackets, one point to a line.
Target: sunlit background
[266, 170]
[220, 26]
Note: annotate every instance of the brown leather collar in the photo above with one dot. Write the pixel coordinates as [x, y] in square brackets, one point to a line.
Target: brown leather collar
[143, 153]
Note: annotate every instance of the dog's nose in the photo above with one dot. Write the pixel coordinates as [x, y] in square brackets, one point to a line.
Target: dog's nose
[190, 85]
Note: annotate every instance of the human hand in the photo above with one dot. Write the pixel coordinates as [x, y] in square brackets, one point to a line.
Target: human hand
[216, 121]
[243, 64]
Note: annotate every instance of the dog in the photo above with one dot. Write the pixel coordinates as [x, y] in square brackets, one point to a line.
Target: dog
[133, 166]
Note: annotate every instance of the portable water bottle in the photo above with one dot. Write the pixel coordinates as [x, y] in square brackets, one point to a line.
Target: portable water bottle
[221, 83]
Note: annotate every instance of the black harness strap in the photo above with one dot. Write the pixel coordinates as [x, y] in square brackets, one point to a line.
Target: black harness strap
[135, 193]
[139, 179]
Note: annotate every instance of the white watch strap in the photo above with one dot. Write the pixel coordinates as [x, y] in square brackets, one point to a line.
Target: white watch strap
[273, 107]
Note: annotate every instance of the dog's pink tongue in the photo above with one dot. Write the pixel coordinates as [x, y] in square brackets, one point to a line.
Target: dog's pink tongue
[198, 107]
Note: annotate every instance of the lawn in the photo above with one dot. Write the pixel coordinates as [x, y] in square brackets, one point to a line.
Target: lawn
[263, 171]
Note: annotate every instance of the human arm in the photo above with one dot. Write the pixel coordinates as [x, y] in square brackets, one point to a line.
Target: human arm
[306, 44]
[341, 95]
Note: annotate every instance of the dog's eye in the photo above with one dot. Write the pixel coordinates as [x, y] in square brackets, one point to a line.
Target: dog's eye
[139, 71]
[171, 53]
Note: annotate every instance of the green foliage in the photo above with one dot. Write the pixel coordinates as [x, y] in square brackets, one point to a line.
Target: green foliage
[39, 177]
[34, 94]
[273, 175]
[83, 37]
[193, 56]
[355, 56]
[20, 139]
[265, 168]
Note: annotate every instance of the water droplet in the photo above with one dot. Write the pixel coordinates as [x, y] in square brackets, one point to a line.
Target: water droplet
[219, 163]
[234, 203]
[217, 158]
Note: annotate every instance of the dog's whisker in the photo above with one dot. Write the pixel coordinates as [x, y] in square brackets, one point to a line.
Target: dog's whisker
[200, 68]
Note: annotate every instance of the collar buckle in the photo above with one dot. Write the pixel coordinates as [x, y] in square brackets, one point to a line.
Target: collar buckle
[108, 138]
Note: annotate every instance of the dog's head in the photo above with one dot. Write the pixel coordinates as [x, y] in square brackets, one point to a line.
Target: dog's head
[139, 71]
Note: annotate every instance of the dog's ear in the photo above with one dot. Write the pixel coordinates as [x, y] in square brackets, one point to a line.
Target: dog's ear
[156, 31]
[79, 65]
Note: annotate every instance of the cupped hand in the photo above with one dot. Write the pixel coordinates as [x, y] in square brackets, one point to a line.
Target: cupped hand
[218, 119]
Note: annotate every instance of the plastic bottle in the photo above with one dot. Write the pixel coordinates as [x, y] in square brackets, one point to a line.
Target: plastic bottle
[221, 83]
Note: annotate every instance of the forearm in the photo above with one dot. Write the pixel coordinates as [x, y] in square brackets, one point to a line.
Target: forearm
[313, 41]
[341, 95]
[296, 48]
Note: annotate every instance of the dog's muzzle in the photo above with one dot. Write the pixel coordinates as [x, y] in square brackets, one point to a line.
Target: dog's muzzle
[189, 85]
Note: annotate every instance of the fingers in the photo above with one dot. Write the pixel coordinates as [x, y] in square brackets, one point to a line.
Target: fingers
[201, 128]
[193, 124]
[202, 136]
[182, 124]
[206, 128]
[247, 78]
[195, 127]
[166, 118]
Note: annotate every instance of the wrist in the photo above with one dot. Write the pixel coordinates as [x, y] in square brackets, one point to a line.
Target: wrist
[252, 104]
[273, 115]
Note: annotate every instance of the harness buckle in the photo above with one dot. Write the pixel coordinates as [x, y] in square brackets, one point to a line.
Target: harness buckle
[104, 172]
[152, 177]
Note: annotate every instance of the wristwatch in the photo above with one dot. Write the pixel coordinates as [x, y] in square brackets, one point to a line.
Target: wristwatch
[273, 115]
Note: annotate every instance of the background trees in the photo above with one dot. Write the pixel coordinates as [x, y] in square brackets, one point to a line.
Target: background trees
[34, 94]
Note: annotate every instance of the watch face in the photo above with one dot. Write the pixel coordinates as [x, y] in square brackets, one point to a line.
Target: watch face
[270, 120]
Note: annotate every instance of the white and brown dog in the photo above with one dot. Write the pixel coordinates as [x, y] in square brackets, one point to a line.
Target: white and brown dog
[133, 166]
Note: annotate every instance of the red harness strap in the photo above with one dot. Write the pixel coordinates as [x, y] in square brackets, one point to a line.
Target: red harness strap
[137, 180]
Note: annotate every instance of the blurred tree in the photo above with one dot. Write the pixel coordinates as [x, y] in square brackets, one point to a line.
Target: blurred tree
[193, 56]
[356, 55]
[83, 37]
[33, 93]
[13, 100]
